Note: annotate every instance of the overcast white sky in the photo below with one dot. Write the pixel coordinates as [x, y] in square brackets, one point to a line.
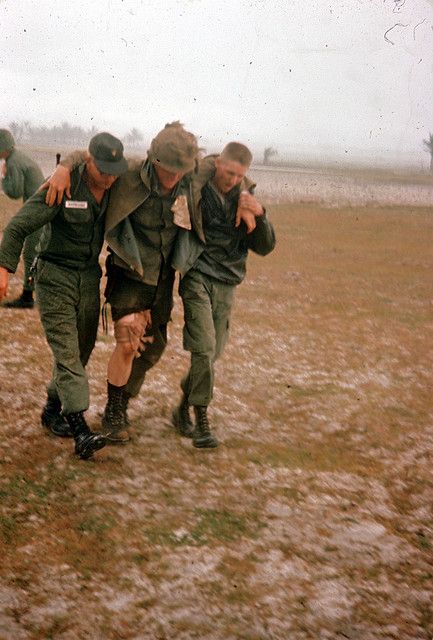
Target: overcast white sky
[349, 75]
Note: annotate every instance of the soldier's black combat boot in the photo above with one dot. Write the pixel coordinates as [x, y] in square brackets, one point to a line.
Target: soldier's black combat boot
[54, 420]
[182, 419]
[202, 437]
[113, 420]
[86, 442]
[25, 301]
[125, 401]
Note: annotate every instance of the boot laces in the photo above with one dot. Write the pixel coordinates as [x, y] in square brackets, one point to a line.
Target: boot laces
[204, 423]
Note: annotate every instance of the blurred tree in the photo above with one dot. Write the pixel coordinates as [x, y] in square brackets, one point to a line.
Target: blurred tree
[428, 144]
[268, 153]
[134, 137]
[20, 130]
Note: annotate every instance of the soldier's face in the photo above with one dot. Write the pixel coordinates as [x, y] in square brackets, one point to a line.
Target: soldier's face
[167, 179]
[98, 179]
[228, 174]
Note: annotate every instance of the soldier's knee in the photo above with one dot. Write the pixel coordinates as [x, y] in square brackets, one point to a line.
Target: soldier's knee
[125, 349]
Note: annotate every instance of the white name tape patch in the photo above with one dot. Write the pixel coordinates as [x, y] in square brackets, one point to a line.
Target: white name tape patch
[76, 204]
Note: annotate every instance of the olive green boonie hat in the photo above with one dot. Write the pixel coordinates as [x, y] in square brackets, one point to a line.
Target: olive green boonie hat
[7, 141]
[174, 149]
[107, 154]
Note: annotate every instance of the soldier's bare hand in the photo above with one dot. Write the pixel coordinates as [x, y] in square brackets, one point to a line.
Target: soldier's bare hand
[248, 217]
[57, 185]
[4, 282]
[248, 201]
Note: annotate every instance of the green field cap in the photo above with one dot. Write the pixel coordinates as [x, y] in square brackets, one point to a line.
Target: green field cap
[107, 153]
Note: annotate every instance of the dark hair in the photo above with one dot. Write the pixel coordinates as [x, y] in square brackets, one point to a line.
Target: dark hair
[238, 152]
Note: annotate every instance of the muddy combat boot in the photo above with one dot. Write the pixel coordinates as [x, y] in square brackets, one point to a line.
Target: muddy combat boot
[113, 420]
[202, 437]
[54, 420]
[86, 442]
[25, 301]
[182, 419]
[125, 401]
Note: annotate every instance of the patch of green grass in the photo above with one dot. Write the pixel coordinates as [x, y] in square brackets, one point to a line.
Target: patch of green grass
[19, 488]
[401, 411]
[139, 558]
[8, 529]
[163, 535]
[211, 525]
[224, 525]
[283, 456]
[238, 595]
[330, 548]
[427, 576]
[291, 493]
[169, 497]
[422, 541]
[333, 454]
[426, 616]
[147, 603]
[21, 582]
[95, 524]
[52, 629]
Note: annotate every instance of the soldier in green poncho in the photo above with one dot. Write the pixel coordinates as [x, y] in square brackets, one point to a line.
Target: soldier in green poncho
[21, 177]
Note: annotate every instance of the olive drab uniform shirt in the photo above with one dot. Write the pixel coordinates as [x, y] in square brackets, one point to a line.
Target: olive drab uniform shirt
[73, 232]
[222, 252]
[23, 177]
[154, 229]
[141, 227]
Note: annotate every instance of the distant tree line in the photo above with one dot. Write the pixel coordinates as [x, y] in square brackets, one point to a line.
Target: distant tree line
[69, 135]
[63, 134]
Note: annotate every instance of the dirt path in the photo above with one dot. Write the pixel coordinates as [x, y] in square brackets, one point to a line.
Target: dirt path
[313, 519]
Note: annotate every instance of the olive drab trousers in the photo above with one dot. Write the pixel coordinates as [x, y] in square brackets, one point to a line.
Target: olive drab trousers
[69, 305]
[207, 306]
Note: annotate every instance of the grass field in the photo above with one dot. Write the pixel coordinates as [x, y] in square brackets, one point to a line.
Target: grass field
[312, 520]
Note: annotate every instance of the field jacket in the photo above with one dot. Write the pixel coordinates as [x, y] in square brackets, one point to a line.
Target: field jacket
[23, 176]
[128, 193]
[73, 232]
[189, 246]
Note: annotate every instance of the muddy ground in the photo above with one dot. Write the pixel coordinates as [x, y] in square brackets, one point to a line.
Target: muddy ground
[313, 518]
